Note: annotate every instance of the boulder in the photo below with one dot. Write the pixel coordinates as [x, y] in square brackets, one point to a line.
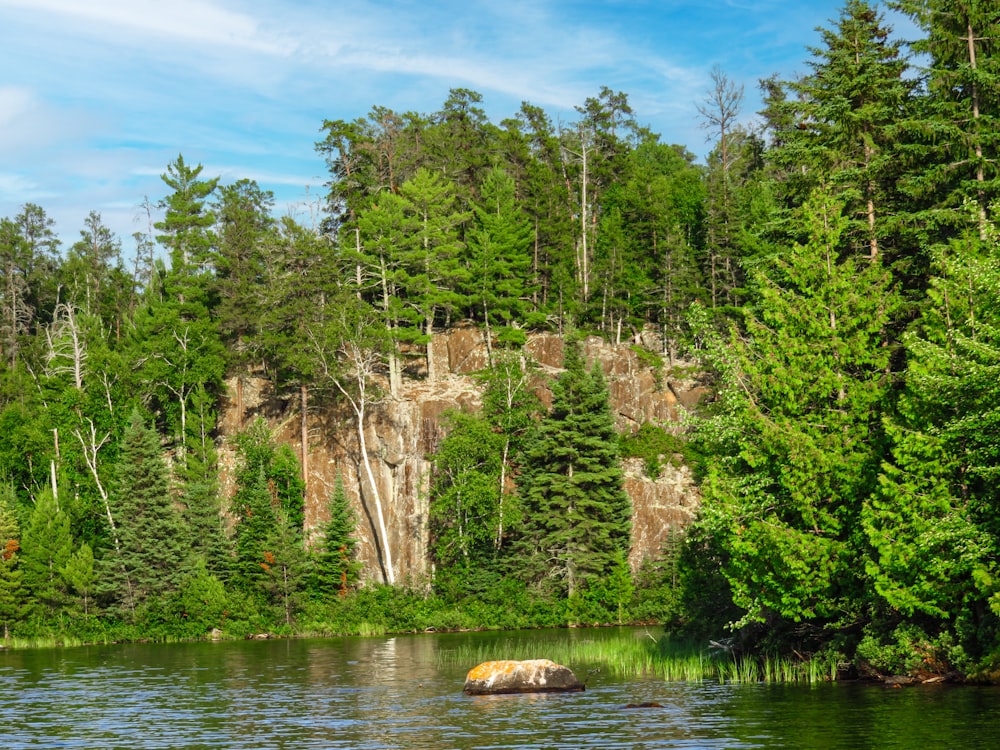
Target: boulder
[531, 676]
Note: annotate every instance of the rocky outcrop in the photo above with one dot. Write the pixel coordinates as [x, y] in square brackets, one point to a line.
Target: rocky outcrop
[531, 676]
[403, 431]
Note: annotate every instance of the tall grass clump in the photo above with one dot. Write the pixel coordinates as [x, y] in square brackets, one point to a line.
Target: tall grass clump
[632, 657]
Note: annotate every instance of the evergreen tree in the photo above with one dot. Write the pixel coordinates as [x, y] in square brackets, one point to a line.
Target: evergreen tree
[13, 606]
[187, 220]
[335, 568]
[577, 517]
[81, 575]
[954, 138]
[46, 546]
[257, 517]
[499, 259]
[934, 522]
[795, 434]
[152, 559]
[244, 229]
[431, 272]
[199, 492]
[848, 109]
[284, 567]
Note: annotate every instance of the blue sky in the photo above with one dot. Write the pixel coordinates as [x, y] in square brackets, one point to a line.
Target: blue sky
[97, 96]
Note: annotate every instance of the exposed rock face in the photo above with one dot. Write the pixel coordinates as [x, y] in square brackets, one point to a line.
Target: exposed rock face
[402, 432]
[531, 676]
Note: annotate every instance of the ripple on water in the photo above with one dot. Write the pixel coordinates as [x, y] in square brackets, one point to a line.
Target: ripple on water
[392, 693]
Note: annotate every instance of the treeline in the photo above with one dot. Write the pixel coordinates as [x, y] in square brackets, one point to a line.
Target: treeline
[833, 267]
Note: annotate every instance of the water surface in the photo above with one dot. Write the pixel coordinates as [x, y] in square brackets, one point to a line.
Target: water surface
[403, 692]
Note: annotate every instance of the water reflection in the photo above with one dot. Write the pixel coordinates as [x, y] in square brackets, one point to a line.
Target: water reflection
[394, 693]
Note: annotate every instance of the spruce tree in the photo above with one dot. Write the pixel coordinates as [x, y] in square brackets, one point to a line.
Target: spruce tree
[46, 546]
[335, 568]
[153, 557]
[954, 137]
[257, 517]
[284, 567]
[577, 517]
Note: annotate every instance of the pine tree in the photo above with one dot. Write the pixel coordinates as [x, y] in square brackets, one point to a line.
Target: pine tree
[431, 272]
[499, 259]
[577, 517]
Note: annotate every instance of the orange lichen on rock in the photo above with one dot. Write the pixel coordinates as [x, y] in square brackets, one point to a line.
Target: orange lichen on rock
[530, 676]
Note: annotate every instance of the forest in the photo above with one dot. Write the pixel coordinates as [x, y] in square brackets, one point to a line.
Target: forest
[833, 268]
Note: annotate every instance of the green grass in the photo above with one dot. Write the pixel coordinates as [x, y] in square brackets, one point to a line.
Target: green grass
[631, 657]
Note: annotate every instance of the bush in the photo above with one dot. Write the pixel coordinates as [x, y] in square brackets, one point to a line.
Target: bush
[655, 446]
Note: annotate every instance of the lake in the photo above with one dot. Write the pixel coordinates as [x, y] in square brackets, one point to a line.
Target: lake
[404, 692]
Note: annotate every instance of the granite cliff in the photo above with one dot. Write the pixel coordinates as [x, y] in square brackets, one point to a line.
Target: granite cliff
[403, 430]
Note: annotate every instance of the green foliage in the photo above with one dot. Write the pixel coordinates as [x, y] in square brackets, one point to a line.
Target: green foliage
[46, 546]
[335, 567]
[466, 494]
[576, 514]
[793, 433]
[279, 466]
[80, 574]
[151, 560]
[835, 275]
[13, 606]
[201, 601]
[655, 446]
[933, 523]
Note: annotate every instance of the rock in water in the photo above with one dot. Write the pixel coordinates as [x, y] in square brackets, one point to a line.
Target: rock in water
[531, 676]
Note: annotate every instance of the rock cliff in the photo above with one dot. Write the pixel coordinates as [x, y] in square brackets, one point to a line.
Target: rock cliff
[402, 431]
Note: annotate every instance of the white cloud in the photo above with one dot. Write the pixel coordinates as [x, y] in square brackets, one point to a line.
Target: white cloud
[192, 20]
[26, 123]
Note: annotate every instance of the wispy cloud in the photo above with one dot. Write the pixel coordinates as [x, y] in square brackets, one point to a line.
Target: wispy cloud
[192, 20]
[97, 96]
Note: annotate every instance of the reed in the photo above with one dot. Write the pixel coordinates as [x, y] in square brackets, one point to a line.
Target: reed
[631, 657]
